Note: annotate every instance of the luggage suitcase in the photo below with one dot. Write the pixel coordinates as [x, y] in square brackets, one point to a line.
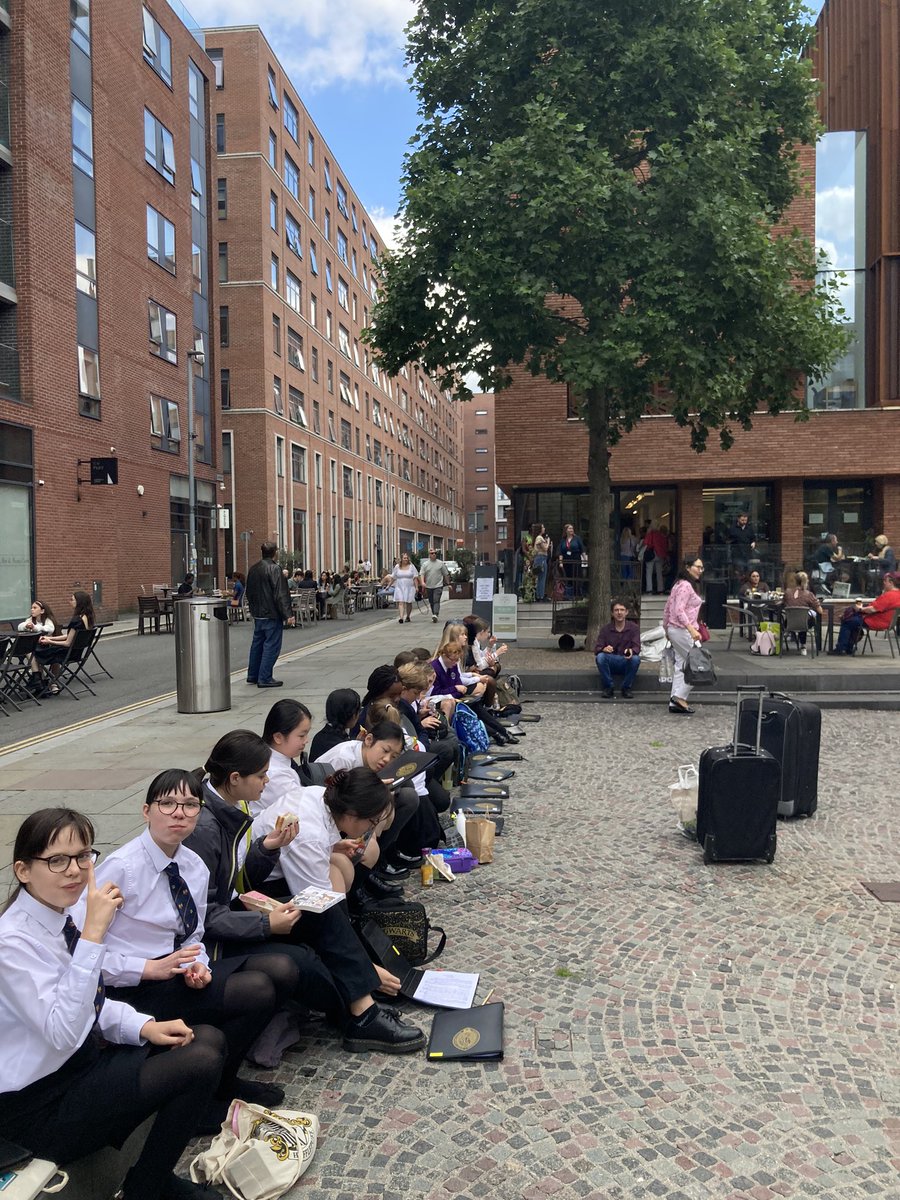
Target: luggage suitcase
[737, 805]
[791, 731]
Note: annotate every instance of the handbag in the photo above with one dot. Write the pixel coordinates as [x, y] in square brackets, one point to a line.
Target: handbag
[698, 667]
[32, 1178]
[259, 1153]
[703, 630]
[408, 927]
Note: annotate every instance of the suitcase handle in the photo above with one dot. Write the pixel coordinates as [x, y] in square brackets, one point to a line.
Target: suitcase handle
[760, 689]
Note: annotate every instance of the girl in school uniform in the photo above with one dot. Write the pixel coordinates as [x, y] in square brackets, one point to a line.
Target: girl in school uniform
[80, 1071]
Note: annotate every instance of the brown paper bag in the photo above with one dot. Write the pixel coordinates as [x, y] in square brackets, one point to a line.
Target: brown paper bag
[480, 834]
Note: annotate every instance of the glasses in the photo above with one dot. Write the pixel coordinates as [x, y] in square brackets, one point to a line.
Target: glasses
[59, 863]
[699, 567]
[190, 808]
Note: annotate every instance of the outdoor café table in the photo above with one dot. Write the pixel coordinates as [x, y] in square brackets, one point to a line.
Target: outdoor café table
[831, 607]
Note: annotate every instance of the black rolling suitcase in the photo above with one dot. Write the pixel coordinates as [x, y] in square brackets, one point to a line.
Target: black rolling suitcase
[737, 803]
[791, 732]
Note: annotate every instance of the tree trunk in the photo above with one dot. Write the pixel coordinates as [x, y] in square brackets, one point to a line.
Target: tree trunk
[599, 549]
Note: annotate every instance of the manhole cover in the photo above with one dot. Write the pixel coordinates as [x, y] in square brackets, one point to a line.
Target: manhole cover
[887, 893]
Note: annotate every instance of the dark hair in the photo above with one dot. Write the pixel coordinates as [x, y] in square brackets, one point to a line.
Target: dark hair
[422, 655]
[174, 780]
[268, 549]
[39, 829]
[474, 625]
[84, 607]
[404, 657]
[686, 563]
[48, 612]
[619, 600]
[238, 575]
[357, 792]
[284, 717]
[242, 751]
[386, 731]
[307, 574]
[379, 682]
[341, 706]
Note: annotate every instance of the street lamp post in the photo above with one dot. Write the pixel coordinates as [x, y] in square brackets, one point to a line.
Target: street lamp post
[194, 356]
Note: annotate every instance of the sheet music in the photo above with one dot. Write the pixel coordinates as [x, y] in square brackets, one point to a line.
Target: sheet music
[447, 989]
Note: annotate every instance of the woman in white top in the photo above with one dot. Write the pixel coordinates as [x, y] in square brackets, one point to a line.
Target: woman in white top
[41, 621]
[406, 579]
[80, 1071]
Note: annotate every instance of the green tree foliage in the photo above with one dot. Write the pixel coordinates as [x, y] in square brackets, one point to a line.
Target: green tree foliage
[593, 193]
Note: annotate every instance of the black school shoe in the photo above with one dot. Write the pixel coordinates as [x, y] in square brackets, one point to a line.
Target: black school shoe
[380, 1029]
[254, 1091]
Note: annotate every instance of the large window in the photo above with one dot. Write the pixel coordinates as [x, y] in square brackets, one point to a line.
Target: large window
[163, 340]
[82, 137]
[159, 146]
[291, 177]
[157, 48]
[292, 291]
[298, 463]
[292, 235]
[844, 509]
[291, 118]
[85, 260]
[160, 240]
[295, 349]
[841, 234]
[88, 382]
[165, 425]
[215, 57]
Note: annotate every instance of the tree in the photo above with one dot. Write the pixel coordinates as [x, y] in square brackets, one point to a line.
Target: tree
[594, 193]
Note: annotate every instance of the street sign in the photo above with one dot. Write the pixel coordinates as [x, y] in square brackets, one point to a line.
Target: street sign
[505, 617]
[104, 470]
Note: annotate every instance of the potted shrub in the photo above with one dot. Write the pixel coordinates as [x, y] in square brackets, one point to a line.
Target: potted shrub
[461, 583]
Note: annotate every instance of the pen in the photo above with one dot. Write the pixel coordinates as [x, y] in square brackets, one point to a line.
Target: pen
[487, 997]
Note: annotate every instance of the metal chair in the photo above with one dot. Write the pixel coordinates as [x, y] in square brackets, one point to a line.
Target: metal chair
[892, 633]
[72, 669]
[15, 671]
[740, 620]
[338, 605]
[796, 621]
[149, 611]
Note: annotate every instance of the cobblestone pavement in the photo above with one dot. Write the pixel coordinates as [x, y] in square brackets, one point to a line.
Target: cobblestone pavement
[672, 1030]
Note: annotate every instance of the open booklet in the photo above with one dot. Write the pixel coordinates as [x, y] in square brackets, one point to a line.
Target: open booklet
[311, 899]
[409, 764]
[438, 989]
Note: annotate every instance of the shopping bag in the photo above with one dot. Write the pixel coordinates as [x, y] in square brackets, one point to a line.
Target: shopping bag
[480, 834]
[259, 1153]
[683, 798]
[698, 667]
[667, 664]
[773, 627]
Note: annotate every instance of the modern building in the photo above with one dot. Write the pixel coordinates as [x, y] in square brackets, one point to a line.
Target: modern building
[321, 452]
[839, 471]
[104, 291]
[487, 527]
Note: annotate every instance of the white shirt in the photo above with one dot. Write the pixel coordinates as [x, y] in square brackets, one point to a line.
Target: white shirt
[282, 782]
[47, 995]
[345, 755]
[45, 627]
[304, 861]
[147, 923]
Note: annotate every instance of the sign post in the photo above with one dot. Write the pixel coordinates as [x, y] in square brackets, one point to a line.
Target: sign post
[505, 621]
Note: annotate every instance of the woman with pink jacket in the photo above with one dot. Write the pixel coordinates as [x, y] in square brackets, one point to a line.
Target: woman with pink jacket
[680, 621]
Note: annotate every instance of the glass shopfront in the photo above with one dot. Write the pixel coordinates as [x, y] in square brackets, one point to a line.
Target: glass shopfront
[16, 521]
[844, 509]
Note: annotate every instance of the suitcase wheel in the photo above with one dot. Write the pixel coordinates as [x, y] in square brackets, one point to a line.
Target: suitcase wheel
[773, 843]
[709, 849]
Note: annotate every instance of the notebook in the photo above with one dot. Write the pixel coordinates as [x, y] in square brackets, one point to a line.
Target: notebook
[409, 763]
[473, 1034]
[437, 989]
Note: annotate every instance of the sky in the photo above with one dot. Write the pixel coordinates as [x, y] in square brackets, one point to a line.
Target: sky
[346, 59]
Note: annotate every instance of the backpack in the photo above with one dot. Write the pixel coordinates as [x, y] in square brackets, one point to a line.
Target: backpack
[763, 643]
[469, 729]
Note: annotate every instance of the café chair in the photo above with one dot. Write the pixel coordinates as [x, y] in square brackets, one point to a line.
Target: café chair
[149, 611]
[795, 621]
[740, 620]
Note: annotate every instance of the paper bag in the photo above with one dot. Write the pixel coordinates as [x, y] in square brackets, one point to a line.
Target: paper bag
[480, 834]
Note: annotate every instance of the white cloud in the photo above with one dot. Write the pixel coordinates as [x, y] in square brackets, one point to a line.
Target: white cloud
[324, 42]
[390, 227]
[835, 211]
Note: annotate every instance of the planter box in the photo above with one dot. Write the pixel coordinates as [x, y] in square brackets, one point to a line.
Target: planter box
[461, 591]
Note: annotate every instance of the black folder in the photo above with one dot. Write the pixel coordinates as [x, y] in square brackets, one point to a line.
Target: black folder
[467, 1034]
[383, 950]
[409, 763]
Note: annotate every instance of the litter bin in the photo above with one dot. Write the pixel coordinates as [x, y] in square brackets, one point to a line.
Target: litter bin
[716, 595]
[202, 665]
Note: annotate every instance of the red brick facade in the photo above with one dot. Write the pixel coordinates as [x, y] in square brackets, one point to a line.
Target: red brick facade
[479, 438]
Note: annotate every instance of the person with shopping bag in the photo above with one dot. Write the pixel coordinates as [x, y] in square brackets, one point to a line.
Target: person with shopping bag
[682, 626]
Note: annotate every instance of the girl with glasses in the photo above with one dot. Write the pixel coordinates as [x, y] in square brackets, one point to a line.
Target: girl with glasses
[680, 621]
[79, 1069]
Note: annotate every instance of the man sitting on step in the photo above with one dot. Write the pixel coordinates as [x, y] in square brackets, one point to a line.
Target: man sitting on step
[618, 651]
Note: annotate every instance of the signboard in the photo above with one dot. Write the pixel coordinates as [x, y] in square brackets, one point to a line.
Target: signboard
[483, 591]
[484, 588]
[104, 470]
[504, 624]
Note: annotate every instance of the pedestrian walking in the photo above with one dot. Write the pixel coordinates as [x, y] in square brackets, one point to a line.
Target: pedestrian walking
[435, 577]
[406, 579]
[680, 621]
[270, 606]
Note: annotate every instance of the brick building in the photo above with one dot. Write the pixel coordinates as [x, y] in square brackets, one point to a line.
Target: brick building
[487, 529]
[104, 259]
[837, 472]
[321, 452]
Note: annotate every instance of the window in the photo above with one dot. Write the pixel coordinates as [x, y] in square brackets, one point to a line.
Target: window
[348, 482]
[290, 117]
[80, 17]
[313, 261]
[353, 220]
[342, 247]
[482, 488]
[353, 267]
[222, 198]
[277, 399]
[273, 272]
[481, 449]
[331, 434]
[317, 417]
[346, 435]
[86, 260]
[160, 240]
[273, 90]
[225, 387]
[376, 414]
[295, 349]
[220, 133]
[159, 147]
[297, 414]
[481, 470]
[82, 137]
[196, 185]
[333, 474]
[197, 268]
[481, 431]
[227, 454]
[328, 323]
[311, 150]
[292, 235]
[480, 412]
[88, 382]
[327, 173]
[273, 150]
[344, 340]
[342, 199]
[293, 291]
[343, 294]
[328, 283]
[326, 225]
[165, 425]
[157, 48]
[291, 177]
[223, 262]
[298, 463]
[311, 204]
[162, 332]
[215, 57]
[344, 387]
[318, 470]
[276, 334]
[329, 377]
[379, 493]
[313, 311]
[314, 364]
[223, 326]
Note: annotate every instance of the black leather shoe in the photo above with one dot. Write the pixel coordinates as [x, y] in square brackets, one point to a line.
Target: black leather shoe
[681, 710]
[179, 1188]
[607, 693]
[254, 1091]
[360, 900]
[509, 710]
[381, 887]
[627, 694]
[380, 1029]
[272, 683]
[389, 873]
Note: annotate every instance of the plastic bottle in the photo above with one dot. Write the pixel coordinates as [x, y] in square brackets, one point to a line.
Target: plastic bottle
[427, 869]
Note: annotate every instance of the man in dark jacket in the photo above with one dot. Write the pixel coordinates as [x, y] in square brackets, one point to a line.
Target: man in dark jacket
[618, 652]
[270, 606]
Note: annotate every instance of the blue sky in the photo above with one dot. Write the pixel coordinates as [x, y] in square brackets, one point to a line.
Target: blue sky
[346, 59]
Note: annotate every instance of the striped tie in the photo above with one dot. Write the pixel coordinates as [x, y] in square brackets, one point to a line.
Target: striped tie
[72, 933]
[184, 904]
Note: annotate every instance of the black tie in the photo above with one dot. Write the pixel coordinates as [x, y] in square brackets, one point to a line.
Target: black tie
[184, 904]
[72, 933]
